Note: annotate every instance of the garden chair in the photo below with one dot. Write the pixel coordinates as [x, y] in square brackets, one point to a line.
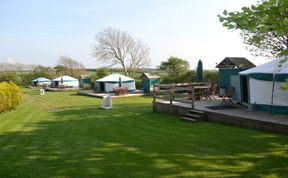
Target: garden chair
[227, 96]
[213, 91]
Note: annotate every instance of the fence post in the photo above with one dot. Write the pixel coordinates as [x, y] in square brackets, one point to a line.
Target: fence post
[193, 97]
[171, 99]
[154, 93]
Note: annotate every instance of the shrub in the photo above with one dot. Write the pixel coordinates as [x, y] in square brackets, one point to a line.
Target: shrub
[138, 84]
[10, 76]
[10, 96]
[185, 78]
[211, 76]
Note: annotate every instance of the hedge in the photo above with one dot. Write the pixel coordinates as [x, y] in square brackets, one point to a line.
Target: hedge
[10, 96]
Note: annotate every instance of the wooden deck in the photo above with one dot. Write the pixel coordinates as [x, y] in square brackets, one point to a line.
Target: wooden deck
[229, 114]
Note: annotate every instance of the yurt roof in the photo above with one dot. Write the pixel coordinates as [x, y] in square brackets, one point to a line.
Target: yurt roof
[272, 67]
[65, 77]
[41, 79]
[115, 78]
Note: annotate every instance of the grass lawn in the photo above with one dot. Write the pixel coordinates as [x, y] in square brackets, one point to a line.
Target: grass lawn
[65, 135]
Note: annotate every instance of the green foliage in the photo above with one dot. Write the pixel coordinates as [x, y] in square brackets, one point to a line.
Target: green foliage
[199, 72]
[101, 72]
[60, 70]
[211, 76]
[24, 78]
[10, 96]
[284, 86]
[264, 27]
[175, 66]
[47, 72]
[138, 83]
[11, 76]
[184, 78]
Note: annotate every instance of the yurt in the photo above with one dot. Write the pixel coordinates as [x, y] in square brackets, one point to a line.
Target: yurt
[65, 82]
[41, 81]
[113, 81]
[261, 86]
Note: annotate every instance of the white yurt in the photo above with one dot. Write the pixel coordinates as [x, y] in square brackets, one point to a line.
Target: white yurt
[65, 82]
[110, 82]
[261, 86]
[41, 81]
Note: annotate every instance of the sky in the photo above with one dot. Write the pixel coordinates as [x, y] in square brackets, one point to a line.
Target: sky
[38, 31]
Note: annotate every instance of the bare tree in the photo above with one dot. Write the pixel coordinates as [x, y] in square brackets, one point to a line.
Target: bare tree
[118, 47]
[74, 68]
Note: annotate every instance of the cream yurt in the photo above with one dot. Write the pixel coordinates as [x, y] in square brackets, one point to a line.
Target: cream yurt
[261, 86]
[110, 82]
[65, 82]
[41, 81]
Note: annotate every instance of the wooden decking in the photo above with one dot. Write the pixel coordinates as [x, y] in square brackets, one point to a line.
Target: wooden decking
[229, 114]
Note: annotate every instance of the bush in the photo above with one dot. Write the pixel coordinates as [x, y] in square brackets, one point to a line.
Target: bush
[211, 76]
[10, 96]
[10, 76]
[138, 84]
[185, 78]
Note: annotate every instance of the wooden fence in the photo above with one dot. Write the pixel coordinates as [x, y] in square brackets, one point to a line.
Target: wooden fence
[182, 92]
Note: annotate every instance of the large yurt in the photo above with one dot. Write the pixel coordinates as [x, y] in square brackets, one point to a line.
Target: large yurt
[261, 86]
[110, 82]
[65, 82]
[41, 81]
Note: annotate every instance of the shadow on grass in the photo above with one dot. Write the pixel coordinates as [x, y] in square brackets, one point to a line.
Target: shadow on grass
[132, 141]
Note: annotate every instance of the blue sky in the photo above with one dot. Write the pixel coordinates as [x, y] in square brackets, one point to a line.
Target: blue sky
[38, 31]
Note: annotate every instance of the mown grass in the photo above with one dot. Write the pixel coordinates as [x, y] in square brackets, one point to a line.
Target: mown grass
[65, 135]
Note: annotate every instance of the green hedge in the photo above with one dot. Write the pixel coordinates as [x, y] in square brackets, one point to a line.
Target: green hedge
[10, 96]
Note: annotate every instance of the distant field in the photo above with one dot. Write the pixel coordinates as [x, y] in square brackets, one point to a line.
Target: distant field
[65, 135]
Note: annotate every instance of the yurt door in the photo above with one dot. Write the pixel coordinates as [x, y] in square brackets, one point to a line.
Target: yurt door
[56, 84]
[102, 86]
[244, 89]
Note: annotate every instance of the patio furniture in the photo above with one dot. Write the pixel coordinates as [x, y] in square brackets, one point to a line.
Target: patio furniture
[201, 91]
[213, 91]
[120, 91]
[227, 96]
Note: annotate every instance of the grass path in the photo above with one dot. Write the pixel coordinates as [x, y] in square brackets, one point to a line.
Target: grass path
[65, 135]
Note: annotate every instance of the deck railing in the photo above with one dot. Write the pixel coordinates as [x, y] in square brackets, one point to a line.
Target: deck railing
[181, 92]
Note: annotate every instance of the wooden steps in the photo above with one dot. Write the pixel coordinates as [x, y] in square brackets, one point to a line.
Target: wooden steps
[194, 115]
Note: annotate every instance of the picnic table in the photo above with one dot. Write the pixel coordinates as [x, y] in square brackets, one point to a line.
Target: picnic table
[120, 91]
[201, 91]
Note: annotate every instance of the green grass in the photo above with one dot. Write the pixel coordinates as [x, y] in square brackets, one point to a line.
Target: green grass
[65, 135]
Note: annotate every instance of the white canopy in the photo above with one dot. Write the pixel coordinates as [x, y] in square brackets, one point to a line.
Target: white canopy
[41, 79]
[271, 67]
[65, 78]
[115, 78]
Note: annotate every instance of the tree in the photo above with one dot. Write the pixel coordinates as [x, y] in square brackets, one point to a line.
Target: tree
[70, 66]
[175, 66]
[101, 72]
[199, 72]
[264, 27]
[60, 70]
[118, 47]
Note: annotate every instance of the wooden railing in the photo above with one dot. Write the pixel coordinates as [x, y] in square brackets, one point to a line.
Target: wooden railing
[182, 93]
